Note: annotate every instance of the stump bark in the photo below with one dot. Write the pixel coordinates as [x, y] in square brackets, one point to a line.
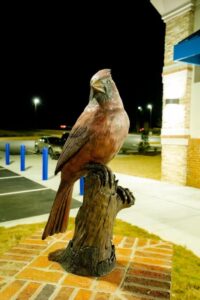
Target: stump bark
[91, 252]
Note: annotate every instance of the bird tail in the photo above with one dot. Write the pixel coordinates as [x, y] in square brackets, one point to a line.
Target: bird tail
[59, 215]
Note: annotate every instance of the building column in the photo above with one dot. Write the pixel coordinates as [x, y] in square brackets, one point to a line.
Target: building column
[177, 86]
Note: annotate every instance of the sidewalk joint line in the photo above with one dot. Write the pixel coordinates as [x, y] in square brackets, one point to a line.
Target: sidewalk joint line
[8, 177]
[27, 191]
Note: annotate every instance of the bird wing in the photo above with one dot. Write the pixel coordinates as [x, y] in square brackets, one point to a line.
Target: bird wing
[78, 137]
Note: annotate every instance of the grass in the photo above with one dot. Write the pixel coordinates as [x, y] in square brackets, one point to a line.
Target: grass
[138, 165]
[186, 266]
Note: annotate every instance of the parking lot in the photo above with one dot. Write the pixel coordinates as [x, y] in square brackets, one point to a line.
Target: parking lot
[21, 197]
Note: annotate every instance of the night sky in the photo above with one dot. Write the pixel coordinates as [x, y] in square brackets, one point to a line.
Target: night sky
[52, 52]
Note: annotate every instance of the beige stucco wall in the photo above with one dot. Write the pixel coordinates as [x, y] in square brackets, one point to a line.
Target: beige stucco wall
[195, 99]
[177, 81]
[193, 158]
[197, 16]
[174, 162]
[195, 111]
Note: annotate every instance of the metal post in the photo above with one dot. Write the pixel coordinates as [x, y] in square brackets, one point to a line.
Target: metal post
[82, 180]
[22, 157]
[45, 164]
[7, 154]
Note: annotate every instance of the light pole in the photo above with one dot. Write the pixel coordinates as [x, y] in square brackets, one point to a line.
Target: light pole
[36, 102]
[150, 107]
[139, 122]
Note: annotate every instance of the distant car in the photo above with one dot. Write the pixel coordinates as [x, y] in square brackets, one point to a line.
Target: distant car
[53, 143]
[141, 143]
[155, 142]
[131, 143]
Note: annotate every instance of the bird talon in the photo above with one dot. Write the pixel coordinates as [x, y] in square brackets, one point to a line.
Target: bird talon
[125, 195]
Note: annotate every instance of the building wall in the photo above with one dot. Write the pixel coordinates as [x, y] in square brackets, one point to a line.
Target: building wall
[197, 16]
[181, 96]
[177, 83]
[195, 110]
[174, 163]
[195, 99]
[193, 168]
[177, 28]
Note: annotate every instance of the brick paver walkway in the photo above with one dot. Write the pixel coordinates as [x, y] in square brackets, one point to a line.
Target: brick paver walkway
[143, 271]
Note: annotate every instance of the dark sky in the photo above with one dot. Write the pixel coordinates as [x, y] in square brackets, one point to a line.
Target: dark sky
[51, 52]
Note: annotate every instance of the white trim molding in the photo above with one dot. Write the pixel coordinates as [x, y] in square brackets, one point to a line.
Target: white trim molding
[177, 12]
[169, 9]
[175, 131]
[174, 141]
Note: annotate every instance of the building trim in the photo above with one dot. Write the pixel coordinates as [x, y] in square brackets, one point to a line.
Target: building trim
[177, 12]
[176, 67]
[175, 132]
[174, 141]
[176, 136]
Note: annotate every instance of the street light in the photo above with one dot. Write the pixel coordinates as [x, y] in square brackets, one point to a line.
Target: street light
[36, 101]
[150, 107]
[139, 120]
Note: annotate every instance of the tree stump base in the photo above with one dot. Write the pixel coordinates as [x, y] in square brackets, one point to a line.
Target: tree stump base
[91, 252]
[85, 261]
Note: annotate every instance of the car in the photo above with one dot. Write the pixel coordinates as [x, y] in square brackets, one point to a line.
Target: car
[131, 143]
[141, 143]
[53, 143]
[155, 142]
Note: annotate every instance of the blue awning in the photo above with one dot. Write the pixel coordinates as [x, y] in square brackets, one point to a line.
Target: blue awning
[188, 50]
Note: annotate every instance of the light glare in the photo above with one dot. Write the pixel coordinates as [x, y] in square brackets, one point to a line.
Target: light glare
[36, 101]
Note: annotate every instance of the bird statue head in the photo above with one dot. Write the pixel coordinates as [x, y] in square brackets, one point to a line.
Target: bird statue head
[98, 80]
[102, 86]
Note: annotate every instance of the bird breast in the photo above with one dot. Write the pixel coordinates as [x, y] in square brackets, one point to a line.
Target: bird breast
[110, 130]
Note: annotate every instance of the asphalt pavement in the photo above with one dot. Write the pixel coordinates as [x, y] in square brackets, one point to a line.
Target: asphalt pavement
[170, 211]
[21, 197]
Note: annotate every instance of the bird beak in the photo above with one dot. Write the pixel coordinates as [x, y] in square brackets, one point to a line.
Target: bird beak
[97, 86]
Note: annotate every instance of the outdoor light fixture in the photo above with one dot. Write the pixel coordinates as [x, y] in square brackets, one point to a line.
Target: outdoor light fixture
[36, 101]
[150, 107]
[140, 108]
[172, 101]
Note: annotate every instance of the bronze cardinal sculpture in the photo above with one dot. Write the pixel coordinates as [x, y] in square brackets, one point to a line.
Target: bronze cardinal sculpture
[96, 137]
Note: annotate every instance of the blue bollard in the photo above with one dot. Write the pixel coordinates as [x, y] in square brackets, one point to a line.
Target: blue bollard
[82, 181]
[7, 154]
[22, 157]
[45, 164]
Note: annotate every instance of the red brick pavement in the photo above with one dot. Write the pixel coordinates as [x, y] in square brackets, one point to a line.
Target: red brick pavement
[143, 271]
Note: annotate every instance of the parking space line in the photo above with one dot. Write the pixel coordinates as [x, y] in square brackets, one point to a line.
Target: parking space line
[8, 177]
[28, 220]
[27, 191]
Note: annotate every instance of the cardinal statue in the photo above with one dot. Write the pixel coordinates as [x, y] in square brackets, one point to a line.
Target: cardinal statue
[96, 137]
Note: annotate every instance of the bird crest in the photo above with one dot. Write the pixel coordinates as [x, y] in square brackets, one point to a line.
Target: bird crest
[101, 74]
